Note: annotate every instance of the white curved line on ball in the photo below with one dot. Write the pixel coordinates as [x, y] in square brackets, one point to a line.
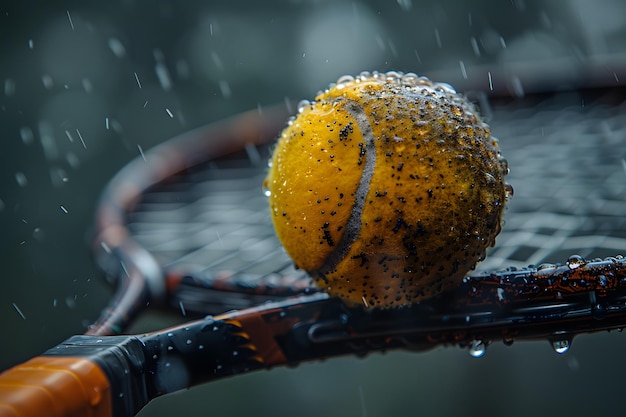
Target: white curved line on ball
[353, 225]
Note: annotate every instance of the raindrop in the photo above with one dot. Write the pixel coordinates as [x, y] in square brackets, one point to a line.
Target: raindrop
[17, 309]
[561, 346]
[438, 38]
[303, 104]
[82, 141]
[463, 70]
[137, 79]
[87, 85]
[575, 261]
[9, 87]
[508, 190]
[505, 167]
[163, 75]
[508, 340]
[31, 44]
[598, 311]
[477, 349]
[253, 154]
[490, 80]
[410, 79]
[405, 5]
[69, 17]
[546, 266]
[475, 47]
[518, 89]
[169, 113]
[117, 47]
[573, 364]
[72, 160]
[225, 89]
[64, 210]
[38, 234]
[26, 133]
[417, 55]
[47, 81]
[20, 178]
[189, 341]
[266, 191]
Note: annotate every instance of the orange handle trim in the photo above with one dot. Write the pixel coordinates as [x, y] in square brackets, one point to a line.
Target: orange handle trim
[52, 386]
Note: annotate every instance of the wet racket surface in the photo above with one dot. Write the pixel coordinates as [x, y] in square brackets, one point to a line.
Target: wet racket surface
[209, 227]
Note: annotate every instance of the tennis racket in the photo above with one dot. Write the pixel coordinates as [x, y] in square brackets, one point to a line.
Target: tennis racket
[187, 227]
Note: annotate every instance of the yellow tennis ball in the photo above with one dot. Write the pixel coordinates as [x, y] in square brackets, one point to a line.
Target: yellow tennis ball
[387, 188]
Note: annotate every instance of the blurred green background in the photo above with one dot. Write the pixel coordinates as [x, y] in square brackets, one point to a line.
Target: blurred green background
[84, 86]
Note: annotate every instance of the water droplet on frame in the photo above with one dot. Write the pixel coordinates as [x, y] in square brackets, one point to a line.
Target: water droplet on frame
[477, 349]
[561, 346]
[575, 261]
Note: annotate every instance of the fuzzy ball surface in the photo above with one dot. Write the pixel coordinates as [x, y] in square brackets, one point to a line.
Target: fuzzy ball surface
[387, 189]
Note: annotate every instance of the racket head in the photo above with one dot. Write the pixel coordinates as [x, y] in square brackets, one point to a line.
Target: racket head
[188, 226]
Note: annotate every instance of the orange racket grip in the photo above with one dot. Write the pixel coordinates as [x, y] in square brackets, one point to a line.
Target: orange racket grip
[55, 387]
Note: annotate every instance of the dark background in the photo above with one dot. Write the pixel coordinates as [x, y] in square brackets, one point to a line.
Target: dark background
[85, 86]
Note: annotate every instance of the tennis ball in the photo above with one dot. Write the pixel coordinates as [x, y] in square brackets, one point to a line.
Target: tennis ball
[387, 189]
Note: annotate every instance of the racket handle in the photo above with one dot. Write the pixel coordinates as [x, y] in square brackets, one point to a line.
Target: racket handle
[84, 376]
[55, 387]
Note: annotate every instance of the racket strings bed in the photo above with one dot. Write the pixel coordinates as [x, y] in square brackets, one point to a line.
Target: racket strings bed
[211, 231]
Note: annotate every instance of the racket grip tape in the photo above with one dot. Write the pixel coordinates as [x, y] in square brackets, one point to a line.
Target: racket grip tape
[86, 376]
